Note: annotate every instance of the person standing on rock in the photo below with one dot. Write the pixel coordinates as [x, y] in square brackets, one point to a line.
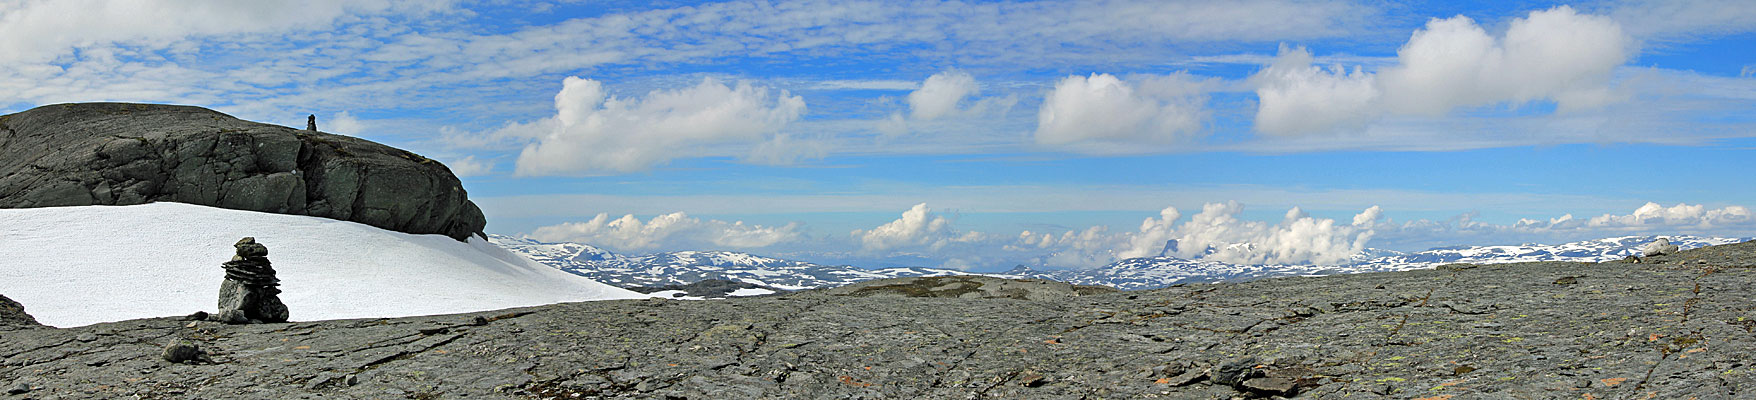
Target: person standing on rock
[250, 294]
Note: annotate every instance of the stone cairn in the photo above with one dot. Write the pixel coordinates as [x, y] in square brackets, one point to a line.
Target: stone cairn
[249, 294]
[311, 122]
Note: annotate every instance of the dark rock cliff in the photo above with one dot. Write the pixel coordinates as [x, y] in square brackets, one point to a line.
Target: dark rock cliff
[12, 315]
[1672, 327]
[122, 154]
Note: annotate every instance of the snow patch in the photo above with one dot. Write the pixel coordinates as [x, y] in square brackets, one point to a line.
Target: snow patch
[73, 266]
[749, 292]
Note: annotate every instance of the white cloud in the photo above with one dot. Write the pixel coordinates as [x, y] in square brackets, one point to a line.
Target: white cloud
[948, 95]
[594, 132]
[1295, 96]
[1152, 235]
[1555, 54]
[939, 95]
[1297, 239]
[1680, 215]
[1087, 248]
[1104, 114]
[469, 166]
[1650, 217]
[1213, 234]
[918, 227]
[343, 123]
[674, 231]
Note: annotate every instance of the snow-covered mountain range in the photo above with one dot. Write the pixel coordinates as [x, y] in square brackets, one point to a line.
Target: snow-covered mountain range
[1156, 272]
[1129, 274]
[683, 267]
[1582, 251]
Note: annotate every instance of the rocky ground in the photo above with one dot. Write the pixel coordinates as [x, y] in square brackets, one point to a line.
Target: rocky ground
[1670, 327]
[707, 288]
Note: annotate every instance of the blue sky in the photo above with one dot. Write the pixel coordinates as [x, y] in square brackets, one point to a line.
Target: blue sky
[980, 135]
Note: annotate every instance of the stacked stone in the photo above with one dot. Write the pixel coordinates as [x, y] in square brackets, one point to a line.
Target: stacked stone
[250, 293]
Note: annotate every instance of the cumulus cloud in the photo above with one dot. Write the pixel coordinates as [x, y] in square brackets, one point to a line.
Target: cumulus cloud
[1556, 54]
[1217, 234]
[918, 227]
[676, 231]
[946, 95]
[1105, 114]
[1295, 96]
[1153, 235]
[939, 95]
[1680, 215]
[594, 132]
[1090, 247]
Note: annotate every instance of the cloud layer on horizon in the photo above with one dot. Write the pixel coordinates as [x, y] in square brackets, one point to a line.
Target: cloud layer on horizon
[671, 231]
[1215, 233]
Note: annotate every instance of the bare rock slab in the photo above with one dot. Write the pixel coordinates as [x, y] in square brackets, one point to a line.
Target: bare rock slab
[124, 154]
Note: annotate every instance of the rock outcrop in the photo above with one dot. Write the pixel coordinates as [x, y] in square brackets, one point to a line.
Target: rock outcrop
[250, 293]
[12, 315]
[1675, 327]
[123, 154]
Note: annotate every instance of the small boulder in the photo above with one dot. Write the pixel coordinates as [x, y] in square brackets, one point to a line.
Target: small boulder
[1185, 378]
[183, 351]
[1235, 372]
[1269, 385]
[1660, 247]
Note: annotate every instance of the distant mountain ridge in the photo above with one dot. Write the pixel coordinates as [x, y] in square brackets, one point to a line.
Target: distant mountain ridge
[1161, 271]
[683, 267]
